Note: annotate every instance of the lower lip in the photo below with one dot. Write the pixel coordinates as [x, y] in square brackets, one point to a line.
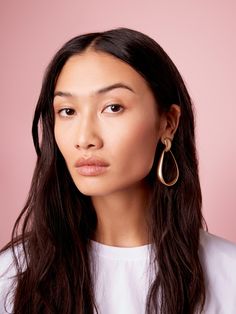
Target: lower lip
[91, 170]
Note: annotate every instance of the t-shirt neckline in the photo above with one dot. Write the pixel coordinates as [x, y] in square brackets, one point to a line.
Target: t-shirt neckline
[117, 252]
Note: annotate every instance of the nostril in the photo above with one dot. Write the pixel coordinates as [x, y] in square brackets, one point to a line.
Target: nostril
[77, 146]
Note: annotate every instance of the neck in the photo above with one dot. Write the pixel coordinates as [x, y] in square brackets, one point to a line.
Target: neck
[122, 217]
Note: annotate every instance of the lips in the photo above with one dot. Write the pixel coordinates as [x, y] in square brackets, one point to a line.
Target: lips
[91, 161]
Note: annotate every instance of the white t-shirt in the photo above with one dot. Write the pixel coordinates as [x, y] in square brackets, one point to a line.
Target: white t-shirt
[122, 276]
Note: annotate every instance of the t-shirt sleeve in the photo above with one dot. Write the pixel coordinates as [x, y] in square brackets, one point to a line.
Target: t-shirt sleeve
[7, 282]
[218, 257]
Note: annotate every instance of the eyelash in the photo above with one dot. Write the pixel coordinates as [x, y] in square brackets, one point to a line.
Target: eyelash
[70, 109]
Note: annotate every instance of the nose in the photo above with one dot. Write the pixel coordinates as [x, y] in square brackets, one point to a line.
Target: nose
[87, 134]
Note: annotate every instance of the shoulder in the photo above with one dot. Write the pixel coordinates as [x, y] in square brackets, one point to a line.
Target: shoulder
[216, 250]
[218, 258]
[7, 265]
[6, 262]
[7, 276]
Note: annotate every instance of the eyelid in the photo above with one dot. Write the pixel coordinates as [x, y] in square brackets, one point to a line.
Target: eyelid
[59, 111]
[115, 104]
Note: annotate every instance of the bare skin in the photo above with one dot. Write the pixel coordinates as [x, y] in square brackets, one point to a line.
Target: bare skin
[125, 136]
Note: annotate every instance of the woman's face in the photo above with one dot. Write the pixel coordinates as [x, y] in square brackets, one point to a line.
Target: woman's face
[104, 109]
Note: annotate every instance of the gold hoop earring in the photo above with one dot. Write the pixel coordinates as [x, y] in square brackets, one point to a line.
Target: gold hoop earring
[167, 148]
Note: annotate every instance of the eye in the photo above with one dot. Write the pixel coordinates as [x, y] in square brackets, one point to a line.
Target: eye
[115, 107]
[65, 112]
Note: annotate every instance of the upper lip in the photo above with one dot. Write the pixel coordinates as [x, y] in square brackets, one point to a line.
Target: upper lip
[91, 161]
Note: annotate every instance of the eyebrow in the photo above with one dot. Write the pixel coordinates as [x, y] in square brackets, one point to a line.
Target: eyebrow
[100, 91]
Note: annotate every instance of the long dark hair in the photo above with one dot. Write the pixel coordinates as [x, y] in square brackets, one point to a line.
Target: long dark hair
[57, 220]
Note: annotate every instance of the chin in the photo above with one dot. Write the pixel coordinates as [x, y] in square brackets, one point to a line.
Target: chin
[90, 190]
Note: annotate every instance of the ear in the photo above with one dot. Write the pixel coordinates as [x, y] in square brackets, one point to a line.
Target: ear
[171, 122]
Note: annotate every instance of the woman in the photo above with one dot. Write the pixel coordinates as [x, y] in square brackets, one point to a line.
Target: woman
[113, 220]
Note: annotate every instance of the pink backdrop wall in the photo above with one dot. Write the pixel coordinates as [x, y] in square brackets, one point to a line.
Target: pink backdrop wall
[200, 38]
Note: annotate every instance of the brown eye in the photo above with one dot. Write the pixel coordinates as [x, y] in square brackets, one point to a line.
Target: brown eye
[66, 112]
[115, 107]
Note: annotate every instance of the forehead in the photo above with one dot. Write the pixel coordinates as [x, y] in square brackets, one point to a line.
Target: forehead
[92, 70]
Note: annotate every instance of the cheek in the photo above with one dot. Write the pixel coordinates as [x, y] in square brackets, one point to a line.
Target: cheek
[63, 142]
[136, 148]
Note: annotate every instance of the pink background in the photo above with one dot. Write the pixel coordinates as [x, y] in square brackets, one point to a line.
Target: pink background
[200, 38]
